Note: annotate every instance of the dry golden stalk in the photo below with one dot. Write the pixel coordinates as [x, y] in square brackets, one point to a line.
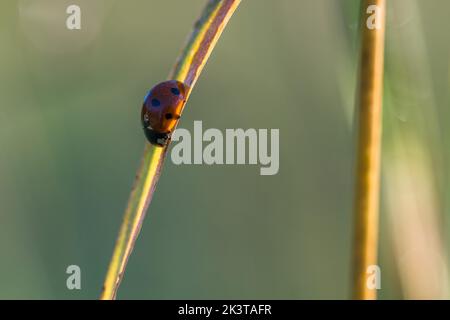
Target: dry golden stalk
[369, 108]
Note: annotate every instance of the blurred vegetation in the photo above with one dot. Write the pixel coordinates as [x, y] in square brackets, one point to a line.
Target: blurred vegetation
[70, 143]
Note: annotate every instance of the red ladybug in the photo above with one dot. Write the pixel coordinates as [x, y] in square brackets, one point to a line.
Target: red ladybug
[162, 110]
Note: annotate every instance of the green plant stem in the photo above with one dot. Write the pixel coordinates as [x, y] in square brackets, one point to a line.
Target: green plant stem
[187, 69]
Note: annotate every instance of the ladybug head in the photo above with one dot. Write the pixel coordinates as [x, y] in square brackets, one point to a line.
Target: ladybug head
[157, 138]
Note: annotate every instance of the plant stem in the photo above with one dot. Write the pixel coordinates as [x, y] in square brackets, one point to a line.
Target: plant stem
[369, 107]
[188, 67]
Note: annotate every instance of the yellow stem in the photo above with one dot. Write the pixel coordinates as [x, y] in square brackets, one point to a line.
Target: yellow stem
[189, 65]
[369, 107]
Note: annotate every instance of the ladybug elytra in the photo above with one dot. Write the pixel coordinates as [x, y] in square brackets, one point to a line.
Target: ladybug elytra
[162, 110]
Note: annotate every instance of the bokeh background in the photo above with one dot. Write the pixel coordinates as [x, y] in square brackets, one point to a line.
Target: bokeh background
[71, 141]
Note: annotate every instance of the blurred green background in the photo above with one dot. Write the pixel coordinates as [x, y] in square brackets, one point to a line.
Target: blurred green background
[71, 141]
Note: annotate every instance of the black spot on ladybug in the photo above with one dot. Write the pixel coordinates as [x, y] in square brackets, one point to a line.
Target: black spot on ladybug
[156, 103]
[169, 116]
[175, 91]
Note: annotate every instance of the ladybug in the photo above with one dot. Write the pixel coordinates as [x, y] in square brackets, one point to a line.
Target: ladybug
[161, 111]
